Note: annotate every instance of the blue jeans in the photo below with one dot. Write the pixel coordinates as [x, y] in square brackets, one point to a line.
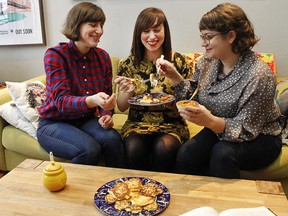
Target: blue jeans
[81, 141]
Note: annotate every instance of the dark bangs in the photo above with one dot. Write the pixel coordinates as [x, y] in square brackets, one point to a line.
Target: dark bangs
[214, 21]
[93, 14]
[145, 20]
[149, 20]
[226, 17]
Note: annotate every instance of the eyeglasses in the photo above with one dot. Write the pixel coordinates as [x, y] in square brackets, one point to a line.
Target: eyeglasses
[208, 37]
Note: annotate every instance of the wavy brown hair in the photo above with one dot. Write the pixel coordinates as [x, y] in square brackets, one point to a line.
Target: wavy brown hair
[146, 19]
[81, 13]
[226, 17]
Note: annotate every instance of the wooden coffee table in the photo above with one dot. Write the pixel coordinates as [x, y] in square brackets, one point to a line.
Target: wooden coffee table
[22, 192]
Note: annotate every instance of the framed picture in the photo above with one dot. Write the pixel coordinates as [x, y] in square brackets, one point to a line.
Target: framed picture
[21, 22]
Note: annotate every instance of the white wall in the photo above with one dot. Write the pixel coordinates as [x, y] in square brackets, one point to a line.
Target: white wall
[18, 63]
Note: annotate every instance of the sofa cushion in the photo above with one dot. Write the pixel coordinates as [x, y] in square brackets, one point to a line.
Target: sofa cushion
[115, 62]
[28, 97]
[18, 141]
[192, 58]
[277, 170]
[282, 97]
[267, 57]
[10, 112]
[118, 120]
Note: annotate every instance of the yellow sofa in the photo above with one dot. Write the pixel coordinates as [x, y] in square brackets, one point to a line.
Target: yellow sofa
[16, 145]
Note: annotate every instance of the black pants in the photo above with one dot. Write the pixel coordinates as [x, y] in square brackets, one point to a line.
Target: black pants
[205, 154]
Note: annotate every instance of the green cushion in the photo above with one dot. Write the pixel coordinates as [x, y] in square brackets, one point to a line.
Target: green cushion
[277, 170]
[16, 140]
[119, 120]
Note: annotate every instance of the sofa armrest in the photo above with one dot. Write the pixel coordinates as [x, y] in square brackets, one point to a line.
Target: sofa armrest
[4, 96]
[281, 79]
[3, 123]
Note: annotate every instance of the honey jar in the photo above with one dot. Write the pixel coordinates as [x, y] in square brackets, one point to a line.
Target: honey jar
[54, 175]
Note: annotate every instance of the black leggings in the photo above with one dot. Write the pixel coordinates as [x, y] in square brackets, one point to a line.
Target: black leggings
[156, 152]
[205, 154]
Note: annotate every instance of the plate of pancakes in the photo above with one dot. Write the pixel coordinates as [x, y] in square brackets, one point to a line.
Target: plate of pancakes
[132, 196]
[151, 99]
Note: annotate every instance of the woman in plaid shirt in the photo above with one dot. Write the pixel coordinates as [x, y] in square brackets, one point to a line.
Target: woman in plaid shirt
[76, 116]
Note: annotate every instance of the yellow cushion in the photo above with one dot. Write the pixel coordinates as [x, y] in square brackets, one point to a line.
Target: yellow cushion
[119, 120]
[115, 61]
[277, 170]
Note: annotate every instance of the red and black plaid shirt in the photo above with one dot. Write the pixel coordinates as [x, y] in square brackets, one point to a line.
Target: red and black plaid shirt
[71, 77]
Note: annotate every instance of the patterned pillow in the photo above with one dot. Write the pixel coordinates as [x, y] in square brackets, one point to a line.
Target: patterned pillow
[269, 58]
[192, 58]
[28, 97]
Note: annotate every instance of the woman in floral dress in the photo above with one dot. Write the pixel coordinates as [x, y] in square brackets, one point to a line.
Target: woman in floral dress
[152, 134]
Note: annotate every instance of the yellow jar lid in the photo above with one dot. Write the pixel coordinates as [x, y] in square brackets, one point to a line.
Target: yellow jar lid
[53, 166]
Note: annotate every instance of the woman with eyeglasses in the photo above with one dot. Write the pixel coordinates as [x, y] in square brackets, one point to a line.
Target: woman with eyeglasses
[241, 121]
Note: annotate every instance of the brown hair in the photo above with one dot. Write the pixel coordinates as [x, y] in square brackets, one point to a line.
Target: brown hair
[226, 17]
[81, 13]
[145, 20]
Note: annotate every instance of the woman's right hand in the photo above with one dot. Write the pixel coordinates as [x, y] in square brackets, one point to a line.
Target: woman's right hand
[168, 70]
[124, 89]
[124, 84]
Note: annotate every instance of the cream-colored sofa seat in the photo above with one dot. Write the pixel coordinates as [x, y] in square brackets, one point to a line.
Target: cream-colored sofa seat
[16, 145]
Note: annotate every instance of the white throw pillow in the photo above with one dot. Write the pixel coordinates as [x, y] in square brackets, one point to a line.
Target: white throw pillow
[28, 97]
[13, 116]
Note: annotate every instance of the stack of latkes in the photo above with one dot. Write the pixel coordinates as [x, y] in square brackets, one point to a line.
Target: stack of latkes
[132, 196]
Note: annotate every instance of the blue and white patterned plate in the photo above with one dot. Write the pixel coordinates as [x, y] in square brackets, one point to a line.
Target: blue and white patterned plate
[163, 200]
[137, 99]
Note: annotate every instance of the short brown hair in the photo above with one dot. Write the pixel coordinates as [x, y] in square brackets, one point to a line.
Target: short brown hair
[147, 19]
[226, 17]
[81, 13]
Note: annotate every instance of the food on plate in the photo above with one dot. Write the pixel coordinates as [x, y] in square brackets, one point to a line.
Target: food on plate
[134, 184]
[110, 199]
[141, 200]
[120, 191]
[152, 206]
[133, 196]
[147, 98]
[164, 98]
[150, 98]
[151, 189]
[122, 205]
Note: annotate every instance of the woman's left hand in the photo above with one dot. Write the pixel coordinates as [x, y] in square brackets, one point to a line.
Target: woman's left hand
[197, 114]
[200, 115]
[106, 121]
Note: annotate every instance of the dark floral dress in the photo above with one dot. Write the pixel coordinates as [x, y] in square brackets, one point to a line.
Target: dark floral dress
[162, 119]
